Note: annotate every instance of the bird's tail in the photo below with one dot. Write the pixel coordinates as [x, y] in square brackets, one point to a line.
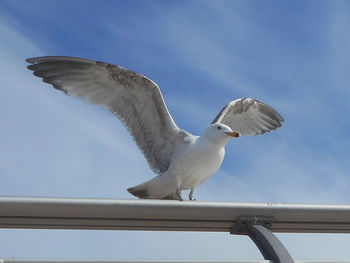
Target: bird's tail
[153, 189]
[139, 191]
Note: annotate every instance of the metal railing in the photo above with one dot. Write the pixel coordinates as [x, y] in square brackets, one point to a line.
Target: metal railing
[149, 261]
[257, 220]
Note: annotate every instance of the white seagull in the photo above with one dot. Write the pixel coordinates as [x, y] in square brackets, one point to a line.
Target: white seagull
[181, 160]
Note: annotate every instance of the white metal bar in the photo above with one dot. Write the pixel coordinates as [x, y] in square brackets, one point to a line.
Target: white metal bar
[155, 261]
[73, 213]
[133, 261]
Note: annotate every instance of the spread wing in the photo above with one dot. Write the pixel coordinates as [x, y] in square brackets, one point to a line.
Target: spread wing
[249, 117]
[133, 98]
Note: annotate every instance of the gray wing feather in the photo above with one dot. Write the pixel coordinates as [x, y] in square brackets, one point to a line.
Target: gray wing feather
[249, 117]
[133, 98]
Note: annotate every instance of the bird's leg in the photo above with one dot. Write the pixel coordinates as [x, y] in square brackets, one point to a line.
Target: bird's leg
[178, 194]
[190, 196]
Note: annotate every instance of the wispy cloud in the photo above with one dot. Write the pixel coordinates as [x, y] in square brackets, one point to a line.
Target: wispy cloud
[202, 56]
[45, 135]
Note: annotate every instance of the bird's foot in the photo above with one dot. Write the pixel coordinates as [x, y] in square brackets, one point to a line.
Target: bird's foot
[178, 194]
[190, 196]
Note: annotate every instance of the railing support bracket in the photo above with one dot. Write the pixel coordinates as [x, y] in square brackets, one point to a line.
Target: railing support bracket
[257, 228]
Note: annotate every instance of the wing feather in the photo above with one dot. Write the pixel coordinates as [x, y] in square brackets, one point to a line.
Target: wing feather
[133, 98]
[249, 117]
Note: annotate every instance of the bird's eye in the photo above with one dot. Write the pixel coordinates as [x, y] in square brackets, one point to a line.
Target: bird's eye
[219, 128]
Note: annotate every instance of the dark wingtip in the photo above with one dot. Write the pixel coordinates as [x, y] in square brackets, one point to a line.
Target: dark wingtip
[33, 60]
[30, 60]
[282, 119]
[59, 59]
[31, 67]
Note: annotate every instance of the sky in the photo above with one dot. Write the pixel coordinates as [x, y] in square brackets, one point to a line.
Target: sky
[292, 55]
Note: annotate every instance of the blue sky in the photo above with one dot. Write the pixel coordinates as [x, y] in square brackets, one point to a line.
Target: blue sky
[293, 55]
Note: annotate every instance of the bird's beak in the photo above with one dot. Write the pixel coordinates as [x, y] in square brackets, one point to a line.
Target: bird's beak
[233, 134]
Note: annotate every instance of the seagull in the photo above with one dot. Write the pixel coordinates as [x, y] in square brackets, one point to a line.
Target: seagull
[182, 161]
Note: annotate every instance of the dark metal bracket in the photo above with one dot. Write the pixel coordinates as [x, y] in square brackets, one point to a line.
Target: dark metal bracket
[257, 228]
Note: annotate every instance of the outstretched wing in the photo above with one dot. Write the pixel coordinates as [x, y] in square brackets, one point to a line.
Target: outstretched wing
[249, 117]
[135, 99]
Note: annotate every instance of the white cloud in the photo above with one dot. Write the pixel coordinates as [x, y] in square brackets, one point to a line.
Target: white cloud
[46, 134]
[54, 145]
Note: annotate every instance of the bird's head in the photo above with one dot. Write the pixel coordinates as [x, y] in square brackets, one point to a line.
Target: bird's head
[220, 131]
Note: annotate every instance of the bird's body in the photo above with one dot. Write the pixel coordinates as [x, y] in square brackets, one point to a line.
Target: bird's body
[181, 160]
[199, 161]
[195, 162]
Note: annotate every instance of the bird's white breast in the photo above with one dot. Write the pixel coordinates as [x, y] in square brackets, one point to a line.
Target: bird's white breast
[196, 163]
